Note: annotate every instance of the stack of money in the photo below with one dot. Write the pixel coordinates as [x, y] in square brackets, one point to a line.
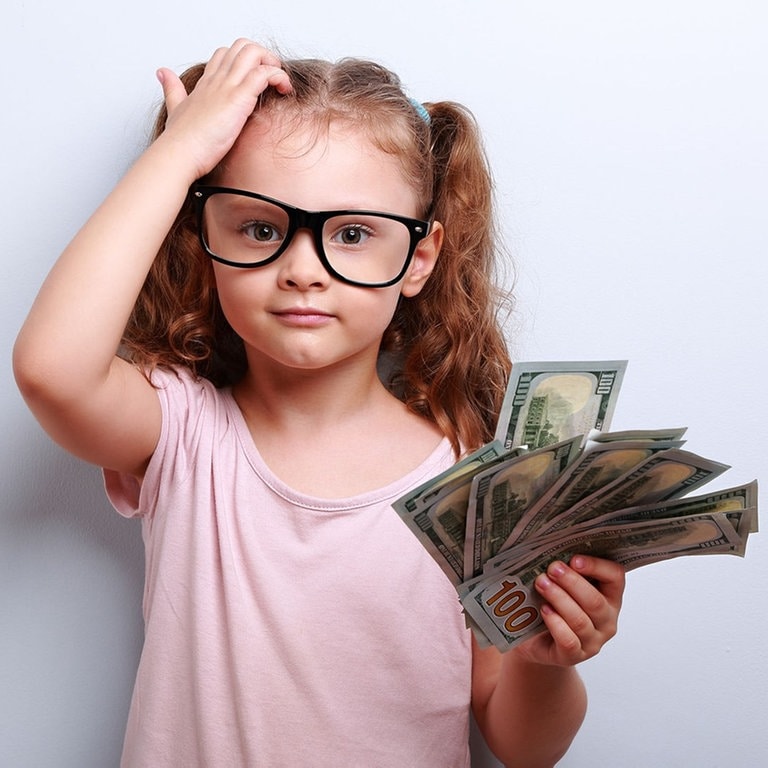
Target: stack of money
[554, 483]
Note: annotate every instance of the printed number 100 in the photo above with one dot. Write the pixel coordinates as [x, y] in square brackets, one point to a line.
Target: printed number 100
[510, 602]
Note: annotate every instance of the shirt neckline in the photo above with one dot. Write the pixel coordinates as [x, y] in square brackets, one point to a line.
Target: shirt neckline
[438, 460]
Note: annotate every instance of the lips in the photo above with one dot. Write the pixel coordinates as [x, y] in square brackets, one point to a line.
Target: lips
[305, 317]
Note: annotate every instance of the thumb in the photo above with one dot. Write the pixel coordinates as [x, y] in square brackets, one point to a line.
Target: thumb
[174, 91]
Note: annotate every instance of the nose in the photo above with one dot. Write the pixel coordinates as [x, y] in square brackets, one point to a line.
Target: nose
[300, 265]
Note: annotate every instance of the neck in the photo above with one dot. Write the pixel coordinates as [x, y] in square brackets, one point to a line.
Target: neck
[301, 399]
[332, 433]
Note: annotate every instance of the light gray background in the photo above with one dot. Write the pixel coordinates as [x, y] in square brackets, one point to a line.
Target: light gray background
[628, 142]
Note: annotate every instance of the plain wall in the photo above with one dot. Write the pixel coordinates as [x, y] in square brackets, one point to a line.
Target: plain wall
[628, 142]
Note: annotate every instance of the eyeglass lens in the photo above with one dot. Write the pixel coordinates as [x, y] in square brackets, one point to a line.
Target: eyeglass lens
[365, 248]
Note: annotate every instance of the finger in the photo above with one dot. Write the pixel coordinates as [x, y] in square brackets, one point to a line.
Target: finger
[247, 62]
[265, 55]
[225, 58]
[577, 601]
[244, 54]
[610, 576]
[578, 633]
[174, 91]
[263, 77]
[565, 638]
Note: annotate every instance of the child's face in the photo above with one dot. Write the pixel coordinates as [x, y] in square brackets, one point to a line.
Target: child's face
[292, 312]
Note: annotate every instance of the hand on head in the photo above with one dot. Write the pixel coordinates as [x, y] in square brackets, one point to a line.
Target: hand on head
[208, 121]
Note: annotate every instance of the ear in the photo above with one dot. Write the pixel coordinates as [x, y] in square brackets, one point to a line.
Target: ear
[423, 261]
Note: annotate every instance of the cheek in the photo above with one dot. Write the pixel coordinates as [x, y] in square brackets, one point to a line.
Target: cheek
[379, 315]
[239, 291]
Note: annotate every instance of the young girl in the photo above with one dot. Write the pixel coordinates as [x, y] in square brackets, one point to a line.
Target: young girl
[291, 618]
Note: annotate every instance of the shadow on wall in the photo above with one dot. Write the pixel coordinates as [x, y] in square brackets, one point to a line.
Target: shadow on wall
[72, 575]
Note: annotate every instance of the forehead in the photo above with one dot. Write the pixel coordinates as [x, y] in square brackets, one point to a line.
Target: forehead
[317, 166]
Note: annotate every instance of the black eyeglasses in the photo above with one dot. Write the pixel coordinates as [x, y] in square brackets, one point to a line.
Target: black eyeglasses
[245, 229]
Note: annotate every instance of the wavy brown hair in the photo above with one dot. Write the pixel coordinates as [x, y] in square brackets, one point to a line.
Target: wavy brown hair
[446, 355]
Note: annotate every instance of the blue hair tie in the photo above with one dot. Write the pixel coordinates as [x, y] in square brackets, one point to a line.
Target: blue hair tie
[421, 111]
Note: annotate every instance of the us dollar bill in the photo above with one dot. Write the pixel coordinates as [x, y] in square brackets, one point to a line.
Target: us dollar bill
[664, 475]
[546, 403]
[661, 435]
[505, 607]
[542, 491]
[598, 465]
[436, 511]
[727, 500]
[730, 502]
[500, 494]
[465, 468]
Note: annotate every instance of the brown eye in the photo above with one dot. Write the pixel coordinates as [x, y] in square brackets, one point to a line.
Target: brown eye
[352, 235]
[261, 232]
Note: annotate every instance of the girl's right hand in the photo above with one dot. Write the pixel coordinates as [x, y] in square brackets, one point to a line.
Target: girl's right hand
[64, 357]
[207, 122]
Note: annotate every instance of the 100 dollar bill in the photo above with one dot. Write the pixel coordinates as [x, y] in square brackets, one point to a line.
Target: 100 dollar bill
[546, 403]
[730, 503]
[500, 495]
[505, 607]
[599, 464]
[665, 475]
[436, 511]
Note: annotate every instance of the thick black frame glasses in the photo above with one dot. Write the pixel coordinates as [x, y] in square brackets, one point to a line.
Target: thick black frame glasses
[314, 221]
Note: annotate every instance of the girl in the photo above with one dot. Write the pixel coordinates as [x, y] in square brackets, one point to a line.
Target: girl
[291, 226]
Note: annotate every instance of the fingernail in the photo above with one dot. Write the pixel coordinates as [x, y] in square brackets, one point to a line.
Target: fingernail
[543, 582]
[557, 569]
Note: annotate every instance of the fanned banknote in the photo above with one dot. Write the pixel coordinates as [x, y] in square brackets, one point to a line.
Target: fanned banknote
[598, 465]
[500, 494]
[555, 483]
[436, 511]
[547, 403]
[506, 608]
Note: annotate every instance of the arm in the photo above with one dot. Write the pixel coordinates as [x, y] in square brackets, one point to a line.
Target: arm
[94, 404]
[530, 702]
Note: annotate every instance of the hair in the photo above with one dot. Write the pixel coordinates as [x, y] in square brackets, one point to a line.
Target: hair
[451, 363]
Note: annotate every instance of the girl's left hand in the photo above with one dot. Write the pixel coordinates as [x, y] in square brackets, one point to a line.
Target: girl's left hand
[581, 608]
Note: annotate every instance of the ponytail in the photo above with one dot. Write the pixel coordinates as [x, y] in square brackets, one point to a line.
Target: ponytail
[456, 364]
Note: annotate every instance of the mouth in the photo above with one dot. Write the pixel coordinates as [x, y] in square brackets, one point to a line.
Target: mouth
[305, 317]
